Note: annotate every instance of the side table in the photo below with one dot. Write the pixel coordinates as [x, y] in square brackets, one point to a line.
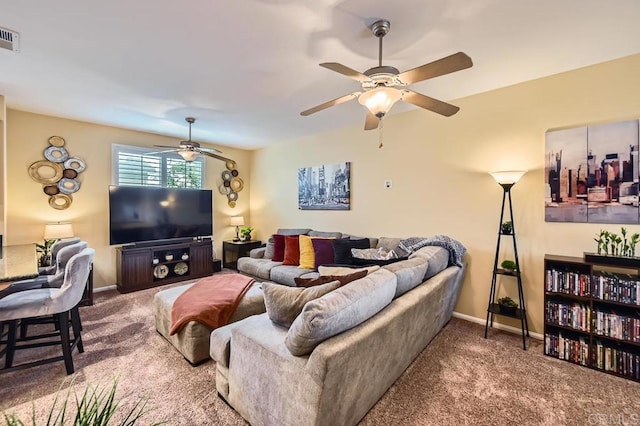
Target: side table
[236, 249]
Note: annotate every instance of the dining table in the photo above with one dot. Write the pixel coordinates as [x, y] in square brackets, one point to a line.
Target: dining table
[17, 262]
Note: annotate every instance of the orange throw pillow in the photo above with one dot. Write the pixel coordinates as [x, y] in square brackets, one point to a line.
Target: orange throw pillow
[291, 250]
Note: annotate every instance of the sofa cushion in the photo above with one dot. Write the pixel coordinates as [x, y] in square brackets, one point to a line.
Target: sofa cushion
[410, 273]
[293, 231]
[437, 257]
[322, 251]
[342, 249]
[307, 256]
[291, 250]
[259, 268]
[340, 310]
[269, 249]
[344, 279]
[344, 269]
[278, 248]
[285, 303]
[285, 274]
[325, 234]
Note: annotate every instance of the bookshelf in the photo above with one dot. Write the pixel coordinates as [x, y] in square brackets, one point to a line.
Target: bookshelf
[592, 315]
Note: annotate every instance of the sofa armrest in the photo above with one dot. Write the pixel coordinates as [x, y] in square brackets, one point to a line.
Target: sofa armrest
[257, 253]
[220, 344]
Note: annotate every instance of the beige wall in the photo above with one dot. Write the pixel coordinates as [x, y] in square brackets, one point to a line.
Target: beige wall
[27, 208]
[3, 133]
[439, 171]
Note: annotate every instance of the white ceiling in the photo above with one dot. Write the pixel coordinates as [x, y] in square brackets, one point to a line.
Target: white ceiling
[246, 68]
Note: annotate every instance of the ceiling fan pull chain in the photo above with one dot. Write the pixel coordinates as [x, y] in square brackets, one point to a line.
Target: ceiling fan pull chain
[380, 143]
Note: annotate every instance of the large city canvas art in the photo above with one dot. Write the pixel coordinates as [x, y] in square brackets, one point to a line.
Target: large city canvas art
[592, 174]
[325, 187]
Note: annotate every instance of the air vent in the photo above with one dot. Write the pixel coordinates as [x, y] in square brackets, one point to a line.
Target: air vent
[9, 40]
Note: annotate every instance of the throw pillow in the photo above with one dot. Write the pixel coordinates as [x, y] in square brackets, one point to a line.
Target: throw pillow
[268, 251]
[307, 256]
[323, 279]
[342, 249]
[322, 251]
[278, 248]
[291, 250]
[285, 303]
[344, 270]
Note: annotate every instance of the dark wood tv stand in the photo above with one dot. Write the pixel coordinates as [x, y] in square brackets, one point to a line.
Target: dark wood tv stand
[141, 267]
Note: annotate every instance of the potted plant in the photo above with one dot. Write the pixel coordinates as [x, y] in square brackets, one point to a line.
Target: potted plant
[506, 227]
[508, 265]
[245, 233]
[507, 305]
[45, 252]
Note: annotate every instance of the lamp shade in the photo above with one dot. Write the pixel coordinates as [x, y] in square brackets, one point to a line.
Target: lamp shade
[380, 100]
[188, 154]
[237, 221]
[507, 178]
[56, 231]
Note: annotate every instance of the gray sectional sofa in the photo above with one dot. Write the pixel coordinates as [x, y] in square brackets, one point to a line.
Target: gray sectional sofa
[343, 351]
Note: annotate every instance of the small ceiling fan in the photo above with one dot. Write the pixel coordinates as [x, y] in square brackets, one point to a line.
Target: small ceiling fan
[383, 86]
[189, 150]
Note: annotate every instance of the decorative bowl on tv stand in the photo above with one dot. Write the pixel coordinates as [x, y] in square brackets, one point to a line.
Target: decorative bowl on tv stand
[168, 257]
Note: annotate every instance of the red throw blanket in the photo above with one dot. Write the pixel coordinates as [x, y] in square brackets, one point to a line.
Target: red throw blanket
[211, 301]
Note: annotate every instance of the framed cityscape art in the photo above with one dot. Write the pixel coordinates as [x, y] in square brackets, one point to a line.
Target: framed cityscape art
[325, 187]
[592, 174]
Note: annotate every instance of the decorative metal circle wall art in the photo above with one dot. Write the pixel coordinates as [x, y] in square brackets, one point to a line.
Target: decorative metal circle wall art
[231, 183]
[58, 173]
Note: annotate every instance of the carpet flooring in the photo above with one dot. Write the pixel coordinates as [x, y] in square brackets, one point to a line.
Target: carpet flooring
[459, 379]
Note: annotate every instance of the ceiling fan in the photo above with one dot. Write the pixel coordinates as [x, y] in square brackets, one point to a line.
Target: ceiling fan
[189, 150]
[383, 86]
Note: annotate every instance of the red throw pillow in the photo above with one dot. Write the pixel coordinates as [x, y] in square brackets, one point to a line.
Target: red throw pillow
[291, 250]
[278, 248]
[323, 251]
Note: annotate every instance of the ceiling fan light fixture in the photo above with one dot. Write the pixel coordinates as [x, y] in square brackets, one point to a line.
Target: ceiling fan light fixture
[380, 100]
[188, 154]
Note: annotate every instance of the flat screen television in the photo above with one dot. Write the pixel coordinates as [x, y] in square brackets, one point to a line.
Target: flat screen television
[140, 214]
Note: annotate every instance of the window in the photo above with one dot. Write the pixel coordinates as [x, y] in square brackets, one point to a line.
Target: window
[134, 165]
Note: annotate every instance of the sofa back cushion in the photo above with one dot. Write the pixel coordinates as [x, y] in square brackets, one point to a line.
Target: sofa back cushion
[322, 234]
[340, 310]
[293, 231]
[410, 273]
[437, 257]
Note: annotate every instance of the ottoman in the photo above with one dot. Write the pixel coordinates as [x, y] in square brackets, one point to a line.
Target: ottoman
[193, 340]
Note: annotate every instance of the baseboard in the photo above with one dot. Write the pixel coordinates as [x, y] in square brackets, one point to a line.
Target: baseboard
[483, 321]
[105, 288]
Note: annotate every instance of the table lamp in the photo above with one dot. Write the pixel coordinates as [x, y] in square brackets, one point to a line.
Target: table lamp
[57, 231]
[237, 221]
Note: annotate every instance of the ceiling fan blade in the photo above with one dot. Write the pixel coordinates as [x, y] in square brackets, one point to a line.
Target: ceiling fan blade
[166, 146]
[331, 103]
[216, 151]
[456, 62]
[371, 121]
[218, 157]
[344, 70]
[431, 104]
